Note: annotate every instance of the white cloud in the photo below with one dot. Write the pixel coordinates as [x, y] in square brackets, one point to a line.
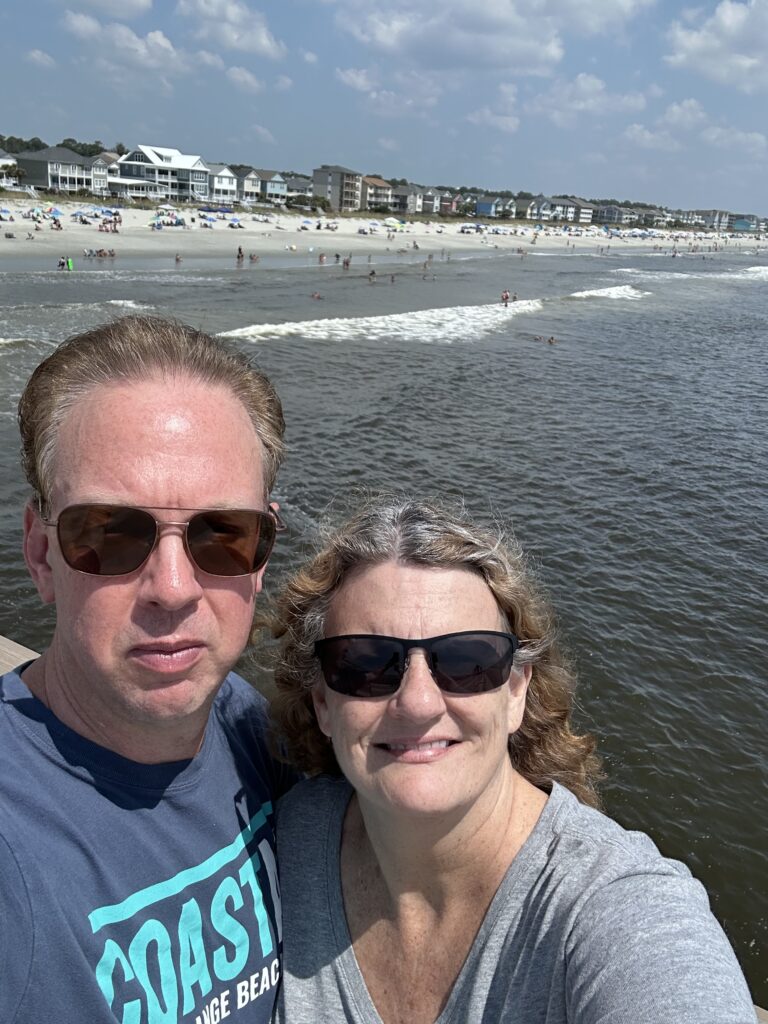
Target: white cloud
[233, 25]
[390, 145]
[586, 94]
[506, 123]
[120, 45]
[457, 35]
[356, 78]
[753, 143]
[210, 60]
[683, 115]
[120, 8]
[41, 59]
[283, 83]
[309, 57]
[81, 25]
[728, 47]
[244, 79]
[644, 138]
[263, 134]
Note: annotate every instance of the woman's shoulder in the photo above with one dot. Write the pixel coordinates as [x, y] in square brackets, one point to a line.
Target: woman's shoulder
[590, 835]
[313, 799]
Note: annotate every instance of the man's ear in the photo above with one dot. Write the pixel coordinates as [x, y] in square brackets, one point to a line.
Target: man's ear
[36, 553]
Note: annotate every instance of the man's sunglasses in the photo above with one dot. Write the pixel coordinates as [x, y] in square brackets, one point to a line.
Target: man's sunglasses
[114, 540]
[368, 665]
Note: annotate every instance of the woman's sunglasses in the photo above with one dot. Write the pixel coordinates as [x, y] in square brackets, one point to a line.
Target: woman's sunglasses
[368, 665]
[114, 540]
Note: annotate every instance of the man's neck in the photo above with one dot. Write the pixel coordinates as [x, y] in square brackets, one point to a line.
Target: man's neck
[144, 742]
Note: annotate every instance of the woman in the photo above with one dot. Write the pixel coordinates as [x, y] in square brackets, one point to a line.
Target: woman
[445, 862]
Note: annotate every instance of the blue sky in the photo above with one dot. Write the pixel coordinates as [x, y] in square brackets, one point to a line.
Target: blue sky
[649, 100]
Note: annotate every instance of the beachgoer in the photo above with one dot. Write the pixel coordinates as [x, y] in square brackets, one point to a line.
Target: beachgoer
[372, 277]
[447, 860]
[505, 298]
[514, 297]
[240, 254]
[178, 258]
[137, 834]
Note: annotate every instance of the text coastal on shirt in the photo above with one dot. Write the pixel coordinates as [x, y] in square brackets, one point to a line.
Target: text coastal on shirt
[210, 946]
[133, 893]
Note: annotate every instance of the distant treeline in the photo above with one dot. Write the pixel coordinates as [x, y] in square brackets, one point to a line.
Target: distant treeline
[14, 144]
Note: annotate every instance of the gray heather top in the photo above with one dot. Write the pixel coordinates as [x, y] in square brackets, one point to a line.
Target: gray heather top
[590, 925]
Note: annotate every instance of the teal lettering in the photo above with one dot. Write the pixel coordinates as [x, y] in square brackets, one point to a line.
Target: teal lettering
[105, 970]
[248, 877]
[193, 966]
[230, 929]
[153, 932]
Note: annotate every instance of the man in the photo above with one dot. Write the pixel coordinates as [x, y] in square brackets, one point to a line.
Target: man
[137, 874]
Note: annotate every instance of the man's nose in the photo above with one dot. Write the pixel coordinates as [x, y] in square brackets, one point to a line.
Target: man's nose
[169, 578]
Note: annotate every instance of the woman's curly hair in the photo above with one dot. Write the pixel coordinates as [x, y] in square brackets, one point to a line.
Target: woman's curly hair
[431, 534]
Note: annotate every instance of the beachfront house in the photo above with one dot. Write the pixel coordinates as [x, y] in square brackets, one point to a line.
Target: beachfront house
[56, 167]
[715, 220]
[248, 183]
[8, 167]
[430, 201]
[161, 173]
[299, 187]
[273, 188]
[449, 203]
[612, 214]
[222, 184]
[539, 209]
[747, 222]
[407, 199]
[342, 187]
[376, 193]
[489, 206]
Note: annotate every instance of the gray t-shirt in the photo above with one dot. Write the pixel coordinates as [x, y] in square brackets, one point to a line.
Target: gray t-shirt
[590, 925]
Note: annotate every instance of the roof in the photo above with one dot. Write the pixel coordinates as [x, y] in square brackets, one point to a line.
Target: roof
[378, 182]
[218, 168]
[162, 157]
[56, 154]
[338, 168]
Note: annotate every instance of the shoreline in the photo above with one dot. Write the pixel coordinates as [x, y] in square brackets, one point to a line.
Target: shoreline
[293, 237]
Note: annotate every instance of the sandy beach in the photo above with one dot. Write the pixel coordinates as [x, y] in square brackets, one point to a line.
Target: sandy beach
[260, 234]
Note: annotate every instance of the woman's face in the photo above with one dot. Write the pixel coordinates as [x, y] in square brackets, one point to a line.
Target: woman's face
[420, 750]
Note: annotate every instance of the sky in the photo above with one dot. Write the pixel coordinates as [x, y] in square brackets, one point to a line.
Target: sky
[645, 100]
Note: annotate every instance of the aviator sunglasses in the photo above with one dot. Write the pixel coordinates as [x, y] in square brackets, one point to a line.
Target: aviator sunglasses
[114, 540]
[368, 665]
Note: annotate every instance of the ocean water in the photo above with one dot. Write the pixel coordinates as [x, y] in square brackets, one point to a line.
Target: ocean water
[629, 457]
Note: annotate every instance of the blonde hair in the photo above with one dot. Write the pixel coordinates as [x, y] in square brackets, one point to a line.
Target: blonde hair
[428, 533]
[137, 348]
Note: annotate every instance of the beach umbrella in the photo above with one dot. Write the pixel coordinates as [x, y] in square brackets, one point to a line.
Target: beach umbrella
[4, 209]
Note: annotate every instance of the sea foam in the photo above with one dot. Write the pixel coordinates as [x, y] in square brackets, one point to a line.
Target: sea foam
[453, 323]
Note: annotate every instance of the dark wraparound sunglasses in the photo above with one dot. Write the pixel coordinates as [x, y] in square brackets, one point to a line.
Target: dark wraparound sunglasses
[114, 540]
[368, 665]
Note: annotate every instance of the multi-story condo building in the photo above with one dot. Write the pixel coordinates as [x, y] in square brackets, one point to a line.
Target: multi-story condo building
[375, 192]
[340, 186]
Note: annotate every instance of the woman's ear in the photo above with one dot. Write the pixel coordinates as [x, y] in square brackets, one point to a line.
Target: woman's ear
[322, 711]
[517, 690]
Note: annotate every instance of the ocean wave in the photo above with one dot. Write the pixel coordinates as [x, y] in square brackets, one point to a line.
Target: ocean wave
[759, 273]
[127, 303]
[655, 275]
[619, 291]
[453, 323]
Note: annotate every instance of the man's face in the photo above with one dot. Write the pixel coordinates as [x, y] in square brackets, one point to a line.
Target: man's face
[153, 646]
